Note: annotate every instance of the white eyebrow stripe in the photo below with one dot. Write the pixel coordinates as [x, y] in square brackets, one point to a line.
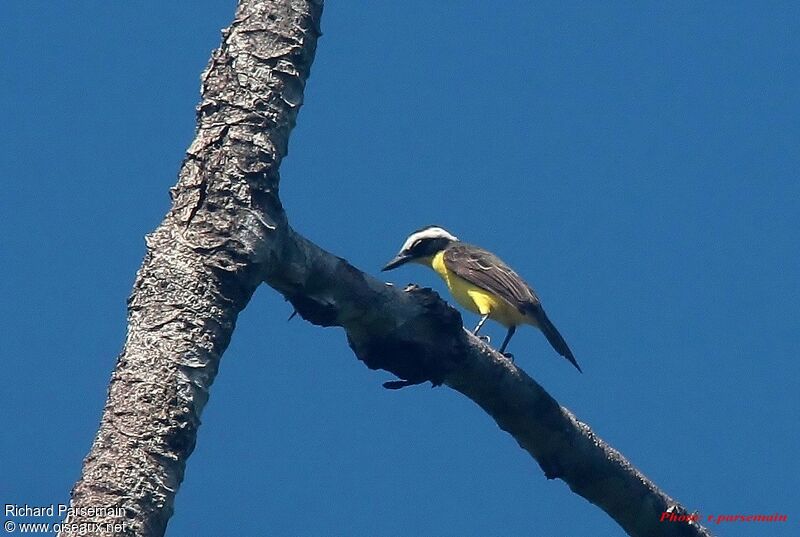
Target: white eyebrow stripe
[428, 233]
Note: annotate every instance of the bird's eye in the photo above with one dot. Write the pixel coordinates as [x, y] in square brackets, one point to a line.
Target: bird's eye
[415, 244]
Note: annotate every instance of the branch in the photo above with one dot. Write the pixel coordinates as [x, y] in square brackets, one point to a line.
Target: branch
[415, 335]
[202, 265]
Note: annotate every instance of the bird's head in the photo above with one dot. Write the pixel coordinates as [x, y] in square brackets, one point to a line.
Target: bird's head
[421, 246]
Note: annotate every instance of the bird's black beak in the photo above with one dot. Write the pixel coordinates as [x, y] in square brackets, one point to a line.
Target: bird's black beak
[400, 259]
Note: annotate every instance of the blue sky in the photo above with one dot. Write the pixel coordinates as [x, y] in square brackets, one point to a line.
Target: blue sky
[637, 163]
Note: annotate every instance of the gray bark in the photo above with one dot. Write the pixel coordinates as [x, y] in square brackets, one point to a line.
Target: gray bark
[203, 263]
[225, 234]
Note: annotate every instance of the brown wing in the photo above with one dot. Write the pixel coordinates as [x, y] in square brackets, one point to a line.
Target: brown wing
[487, 271]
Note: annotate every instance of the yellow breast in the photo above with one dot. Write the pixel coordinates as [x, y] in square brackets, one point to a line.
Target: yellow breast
[476, 299]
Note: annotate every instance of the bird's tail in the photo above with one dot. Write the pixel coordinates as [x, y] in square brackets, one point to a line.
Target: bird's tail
[552, 335]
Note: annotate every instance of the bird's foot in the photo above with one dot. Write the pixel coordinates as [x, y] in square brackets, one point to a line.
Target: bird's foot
[485, 339]
[509, 356]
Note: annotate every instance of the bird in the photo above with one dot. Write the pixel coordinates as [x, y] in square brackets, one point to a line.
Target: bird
[482, 283]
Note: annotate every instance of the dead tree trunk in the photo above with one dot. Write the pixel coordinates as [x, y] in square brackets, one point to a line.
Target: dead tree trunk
[226, 233]
[202, 265]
